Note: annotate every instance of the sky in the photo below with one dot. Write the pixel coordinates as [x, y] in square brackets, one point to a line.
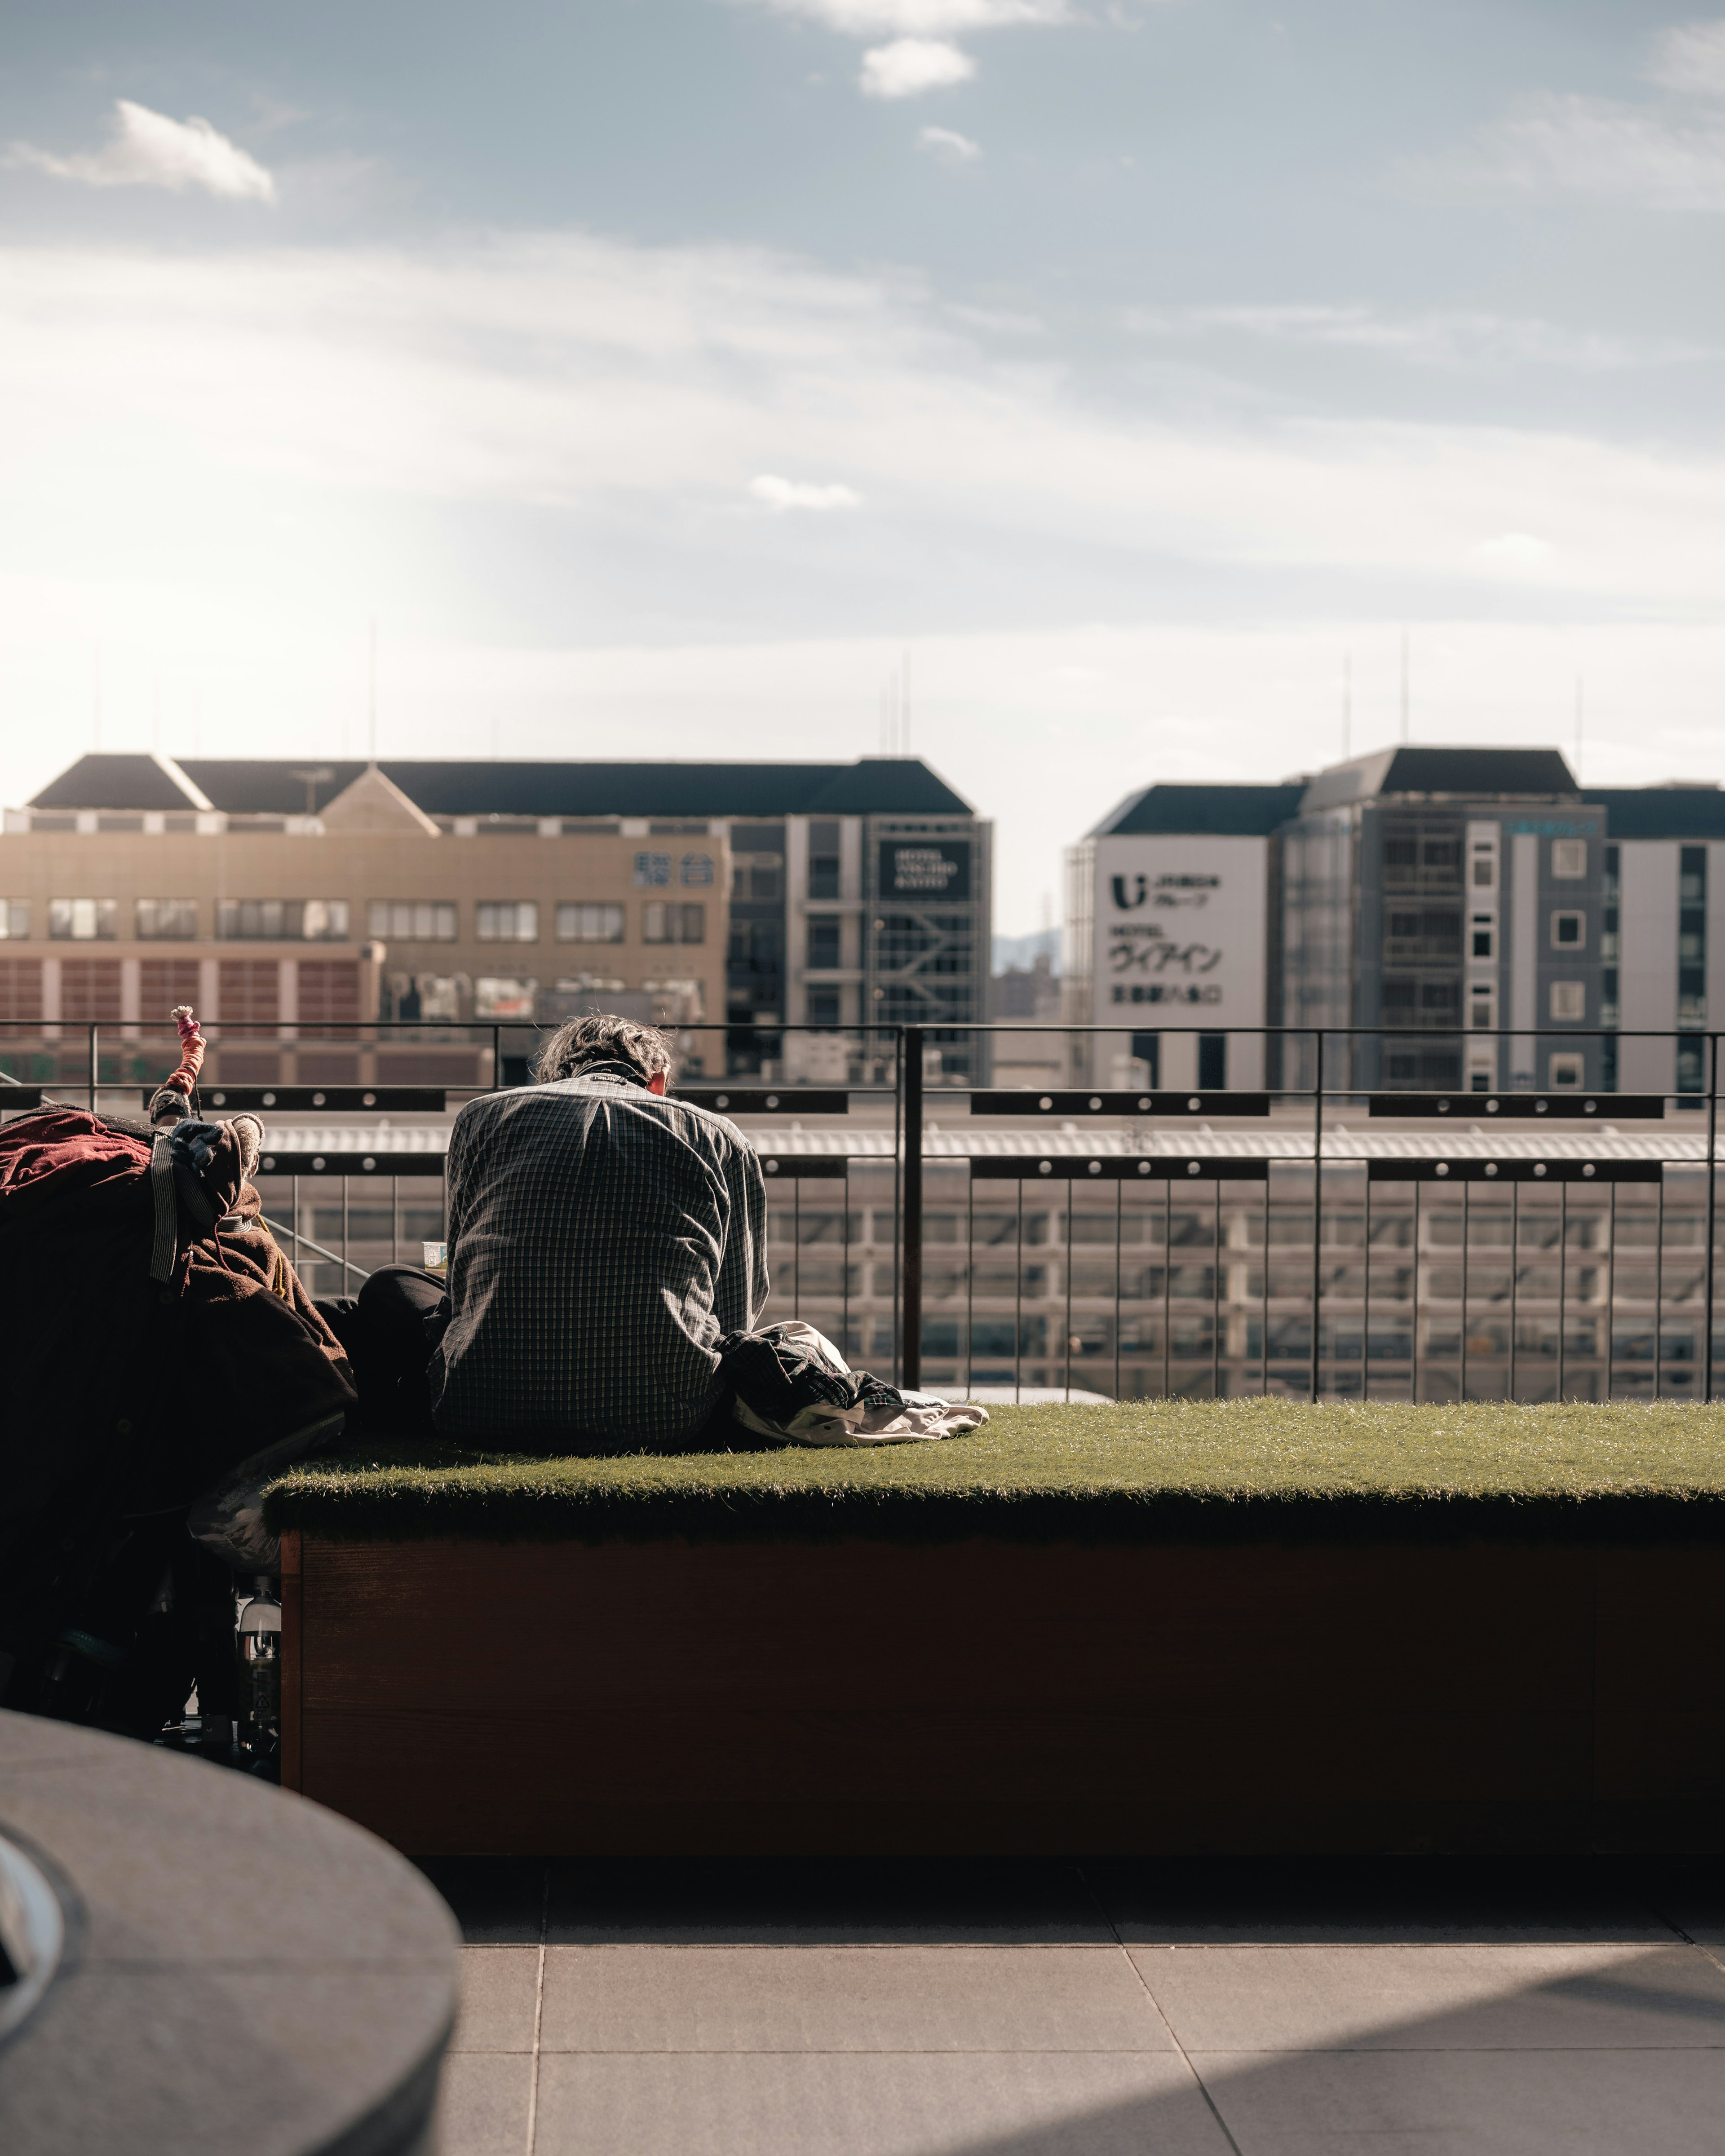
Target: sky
[1098, 391]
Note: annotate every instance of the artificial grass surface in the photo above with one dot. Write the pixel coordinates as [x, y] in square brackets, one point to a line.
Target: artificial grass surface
[1150, 1471]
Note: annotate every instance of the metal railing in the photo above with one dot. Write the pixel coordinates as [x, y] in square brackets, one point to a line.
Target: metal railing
[1130, 1241]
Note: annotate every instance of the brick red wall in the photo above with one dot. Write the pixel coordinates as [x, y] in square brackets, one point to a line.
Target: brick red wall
[90, 991]
[21, 989]
[250, 988]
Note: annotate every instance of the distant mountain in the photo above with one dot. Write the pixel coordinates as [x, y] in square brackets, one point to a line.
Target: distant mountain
[1023, 952]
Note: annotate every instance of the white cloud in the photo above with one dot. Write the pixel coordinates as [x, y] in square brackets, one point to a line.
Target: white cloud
[923, 18]
[304, 396]
[1516, 550]
[909, 66]
[950, 147]
[1591, 147]
[146, 149]
[800, 493]
[1690, 59]
[1443, 338]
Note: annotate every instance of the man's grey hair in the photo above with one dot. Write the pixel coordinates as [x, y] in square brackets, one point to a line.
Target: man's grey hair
[598, 1038]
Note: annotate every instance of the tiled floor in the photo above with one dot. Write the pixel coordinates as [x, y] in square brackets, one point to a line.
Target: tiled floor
[1270, 2008]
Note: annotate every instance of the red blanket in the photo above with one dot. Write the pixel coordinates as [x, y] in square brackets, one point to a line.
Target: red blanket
[120, 1394]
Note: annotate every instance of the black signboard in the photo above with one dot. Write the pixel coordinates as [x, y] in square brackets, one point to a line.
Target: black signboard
[920, 870]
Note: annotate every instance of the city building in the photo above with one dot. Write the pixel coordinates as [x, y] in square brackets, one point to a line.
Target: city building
[1169, 902]
[1034, 993]
[723, 901]
[1474, 916]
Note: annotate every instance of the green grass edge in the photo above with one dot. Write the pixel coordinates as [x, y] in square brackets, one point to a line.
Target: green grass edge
[1140, 1472]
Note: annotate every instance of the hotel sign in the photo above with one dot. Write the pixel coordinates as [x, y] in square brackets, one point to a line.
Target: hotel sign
[920, 870]
[1179, 929]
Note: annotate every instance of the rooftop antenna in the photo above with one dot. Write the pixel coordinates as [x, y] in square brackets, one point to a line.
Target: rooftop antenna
[1404, 688]
[371, 702]
[1346, 705]
[311, 780]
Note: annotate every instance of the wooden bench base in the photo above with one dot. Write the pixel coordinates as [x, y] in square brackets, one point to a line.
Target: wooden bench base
[988, 1697]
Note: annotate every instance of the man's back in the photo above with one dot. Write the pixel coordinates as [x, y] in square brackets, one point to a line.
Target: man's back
[601, 1238]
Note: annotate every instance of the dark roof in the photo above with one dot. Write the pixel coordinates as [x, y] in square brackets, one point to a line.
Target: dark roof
[1661, 812]
[1219, 811]
[277, 786]
[118, 782]
[270, 786]
[1467, 774]
[1478, 771]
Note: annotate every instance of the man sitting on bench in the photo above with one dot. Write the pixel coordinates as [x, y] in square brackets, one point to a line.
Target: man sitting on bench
[602, 1238]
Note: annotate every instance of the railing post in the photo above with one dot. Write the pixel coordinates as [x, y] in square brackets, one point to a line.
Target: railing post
[911, 1249]
[1712, 1204]
[1317, 1203]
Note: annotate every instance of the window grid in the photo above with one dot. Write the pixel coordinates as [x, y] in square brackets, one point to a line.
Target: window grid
[581, 922]
[506, 920]
[413, 921]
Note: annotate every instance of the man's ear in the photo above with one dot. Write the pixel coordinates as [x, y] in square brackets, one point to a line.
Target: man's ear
[655, 1084]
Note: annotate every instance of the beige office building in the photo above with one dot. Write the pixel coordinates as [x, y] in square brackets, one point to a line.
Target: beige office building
[294, 906]
[288, 932]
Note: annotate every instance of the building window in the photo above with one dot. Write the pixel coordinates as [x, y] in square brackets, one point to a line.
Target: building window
[1481, 1008]
[1691, 1065]
[329, 991]
[1692, 876]
[1481, 937]
[496, 997]
[1485, 868]
[1569, 858]
[281, 920]
[15, 920]
[584, 923]
[1564, 1070]
[824, 1006]
[1608, 996]
[1568, 930]
[663, 923]
[413, 921]
[21, 989]
[168, 920]
[162, 983]
[1568, 1000]
[1613, 858]
[506, 920]
[1608, 936]
[823, 860]
[653, 870]
[757, 877]
[824, 945]
[696, 871]
[248, 989]
[90, 990]
[1692, 995]
[81, 920]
